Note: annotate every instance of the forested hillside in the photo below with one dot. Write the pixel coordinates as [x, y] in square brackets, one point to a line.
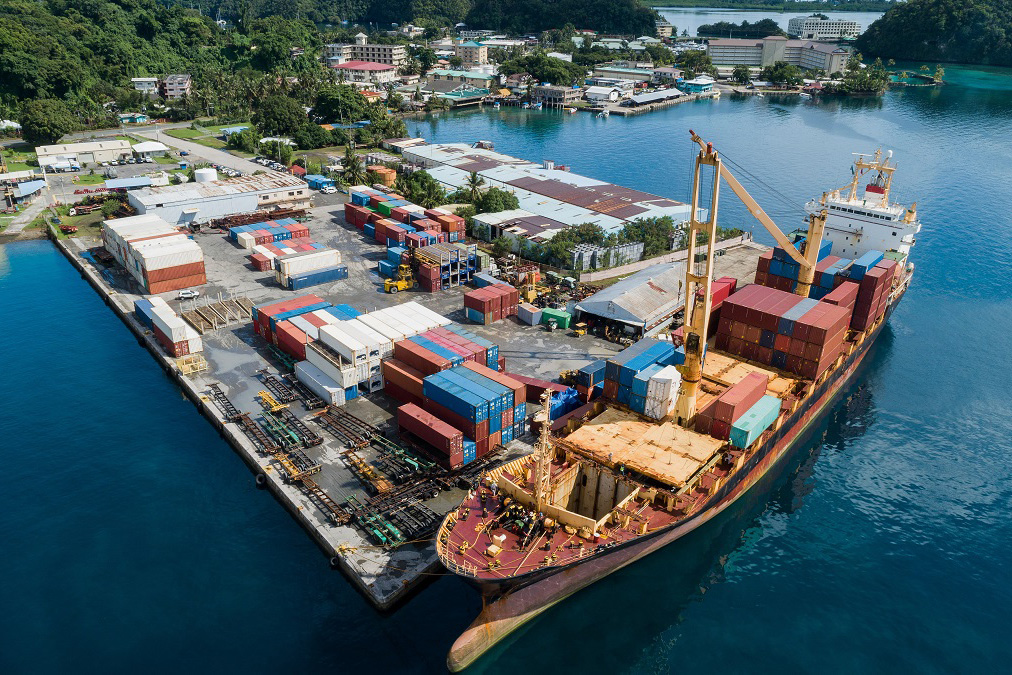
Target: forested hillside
[962, 31]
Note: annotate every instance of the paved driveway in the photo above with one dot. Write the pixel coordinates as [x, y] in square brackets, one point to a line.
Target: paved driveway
[212, 155]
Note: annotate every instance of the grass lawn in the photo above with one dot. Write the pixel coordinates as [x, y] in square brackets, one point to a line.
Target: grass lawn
[5, 221]
[210, 142]
[184, 133]
[128, 139]
[90, 224]
[165, 160]
[90, 179]
[18, 166]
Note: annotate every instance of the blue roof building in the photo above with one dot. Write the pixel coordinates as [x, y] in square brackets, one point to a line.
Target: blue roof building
[318, 182]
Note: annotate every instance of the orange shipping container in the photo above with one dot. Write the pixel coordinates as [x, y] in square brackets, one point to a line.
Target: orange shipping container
[177, 284]
[177, 272]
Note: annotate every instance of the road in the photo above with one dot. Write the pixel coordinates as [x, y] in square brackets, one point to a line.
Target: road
[212, 155]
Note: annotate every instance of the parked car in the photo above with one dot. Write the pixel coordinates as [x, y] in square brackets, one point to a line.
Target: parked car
[183, 153]
[329, 190]
[187, 295]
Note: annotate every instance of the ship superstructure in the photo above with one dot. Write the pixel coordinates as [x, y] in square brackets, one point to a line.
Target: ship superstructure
[623, 485]
[858, 221]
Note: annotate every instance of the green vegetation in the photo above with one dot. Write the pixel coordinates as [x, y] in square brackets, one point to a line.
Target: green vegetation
[696, 62]
[544, 68]
[90, 179]
[741, 74]
[857, 80]
[964, 31]
[726, 29]
[838, 5]
[279, 115]
[607, 16]
[45, 121]
[782, 73]
[421, 188]
[185, 134]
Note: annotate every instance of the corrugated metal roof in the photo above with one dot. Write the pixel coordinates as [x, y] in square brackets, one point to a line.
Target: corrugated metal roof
[640, 298]
[138, 182]
[660, 95]
[29, 187]
[186, 192]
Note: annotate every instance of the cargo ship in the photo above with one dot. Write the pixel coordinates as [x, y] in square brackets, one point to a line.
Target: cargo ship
[683, 431]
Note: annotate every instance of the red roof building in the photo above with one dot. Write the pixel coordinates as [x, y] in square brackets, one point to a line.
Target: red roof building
[367, 72]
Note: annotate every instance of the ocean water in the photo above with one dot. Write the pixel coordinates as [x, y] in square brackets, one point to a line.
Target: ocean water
[133, 537]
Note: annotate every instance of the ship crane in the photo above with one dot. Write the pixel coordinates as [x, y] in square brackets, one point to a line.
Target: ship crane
[697, 316]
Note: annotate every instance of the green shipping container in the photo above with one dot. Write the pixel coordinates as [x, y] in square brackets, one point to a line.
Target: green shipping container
[756, 420]
[384, 208]
[562, 319]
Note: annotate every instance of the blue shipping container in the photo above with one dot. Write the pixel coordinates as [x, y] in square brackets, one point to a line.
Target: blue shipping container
[490, 395]
[142, 309]
[317, 277]
[638, 404]
[455, 398]
[296, 312]
[865, 263]
[386, 268]
[349, 310]
[470, 451]
[624, 393]
[756, 420]
[779, 359]
[370, 230]
[395, 253]
[520, 412]
[351, 392]
[507, 434]
[476, 316]
[591, 374]
[505, 393]
[642, 379]
[615, 363]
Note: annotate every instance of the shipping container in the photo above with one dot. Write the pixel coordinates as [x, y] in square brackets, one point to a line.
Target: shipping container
[320, 383]
[757, 419]
[456, 397]
[740, 397]
[430, 429]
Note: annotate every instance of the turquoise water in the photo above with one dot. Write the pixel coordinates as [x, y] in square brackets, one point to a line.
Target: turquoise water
[133, 537]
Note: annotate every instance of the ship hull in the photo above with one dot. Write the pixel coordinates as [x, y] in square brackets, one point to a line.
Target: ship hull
[508, 606]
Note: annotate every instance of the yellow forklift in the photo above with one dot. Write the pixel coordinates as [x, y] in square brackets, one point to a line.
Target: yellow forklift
[405, 279]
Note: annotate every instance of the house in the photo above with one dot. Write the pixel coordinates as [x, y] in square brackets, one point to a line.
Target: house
[471, 53]
[297, 170]
[557, 95]
[371, 96]
[145, 85]
[150, 149]
[176, 86]
[602, 94]
[132, 118]
[620, 72]
[366, 72]
[664, 29]
[667, 74]
[698, 85]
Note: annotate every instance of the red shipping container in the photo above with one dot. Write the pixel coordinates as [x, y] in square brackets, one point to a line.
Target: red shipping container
[610, 390]
[764, 261]
[404, 376]
[720, 430]
[502, 365]
[735, 345]
[482, 447]
[782, 343]
[265, 312]
[175, 349]
[752, 334]
[749, 350]
[430, 429]
[291, 340]
[796, 347]
[398, 394]
[507, 418]
[844, 295]
[261, 262]
[494, 440]
[764, 355]
[723, 342]
[736, 401]
[420, 358]
[399, 214]
[175, 272]
[475, 432]
[177, 284]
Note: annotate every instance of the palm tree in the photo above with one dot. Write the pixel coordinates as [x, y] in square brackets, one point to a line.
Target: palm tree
[473, 186]
[354, 171]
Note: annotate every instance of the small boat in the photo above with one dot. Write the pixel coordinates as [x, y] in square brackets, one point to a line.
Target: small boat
[804, 95]
[760, 94]
[570, 110]
[603, 113]
[496, 105]
[537, 106]
[526, 106]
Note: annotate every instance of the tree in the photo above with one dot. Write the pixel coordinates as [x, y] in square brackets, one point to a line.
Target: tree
[340, 104]
[473, 186]
[279, 115]
[45, 121]
[544, 68]
[696, 61]
[422, 189]
[426, 59]
[501, 246]
[354, 169]
[495, 200]
[741, 74]
[311, 136]
[456, 62]
[782, 73]
[245, 140]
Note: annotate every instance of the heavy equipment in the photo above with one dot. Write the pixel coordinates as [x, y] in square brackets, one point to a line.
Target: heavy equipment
[579, 329]
[404, 280]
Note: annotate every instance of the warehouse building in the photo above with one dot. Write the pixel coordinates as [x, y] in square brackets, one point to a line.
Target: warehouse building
[805, 54]
[157, 255]
[200, 202]
[639, 305]
[542, 189]
[517, 226]
[84, 153]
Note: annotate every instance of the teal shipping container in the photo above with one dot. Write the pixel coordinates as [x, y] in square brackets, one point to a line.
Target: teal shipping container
[756, 420]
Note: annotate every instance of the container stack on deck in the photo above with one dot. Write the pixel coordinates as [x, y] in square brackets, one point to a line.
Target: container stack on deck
[157, 255]
[638, 372]
[175, 336]
[270, 231]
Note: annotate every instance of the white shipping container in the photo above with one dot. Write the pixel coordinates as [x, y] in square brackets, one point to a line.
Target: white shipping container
[326, 316]
[372, 344]
[382, 327]
[193, 340]
[345, 375]
[308, 261]
[169, 252]
[344, 344]
[383, 343]
[157, 301]
[407, 313]
[171, 325]
[664, 383]
[303, 324]
[439, 319]
[319, 383]
[246, 240]
[391, 317]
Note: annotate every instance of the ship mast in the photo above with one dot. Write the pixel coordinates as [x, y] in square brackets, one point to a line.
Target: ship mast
[699, 275]
[885, 171]
[542, 474]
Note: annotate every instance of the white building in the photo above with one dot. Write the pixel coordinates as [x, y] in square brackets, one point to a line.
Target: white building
[84, 153]
[806, 54]
[150, 149]
[145, 85]
[817, 28]
[361, 50]
[201, 202]
[365, 72]
[663, 28]
[602, 94]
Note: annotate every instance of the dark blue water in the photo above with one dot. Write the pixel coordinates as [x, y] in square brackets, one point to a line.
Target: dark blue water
[133, 537]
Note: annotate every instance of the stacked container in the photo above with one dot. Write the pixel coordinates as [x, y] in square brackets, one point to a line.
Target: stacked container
[157, 255]
[590, 380]
[662, 392]
[294, 266]
[621, 369]
[491, 303]
[718, 417]
[320, 383]
[760, 417]
[874, 286]
[176, 336]
[777, 328]
[447, 442]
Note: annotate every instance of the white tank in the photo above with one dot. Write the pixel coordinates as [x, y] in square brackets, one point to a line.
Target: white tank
[205, 175]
